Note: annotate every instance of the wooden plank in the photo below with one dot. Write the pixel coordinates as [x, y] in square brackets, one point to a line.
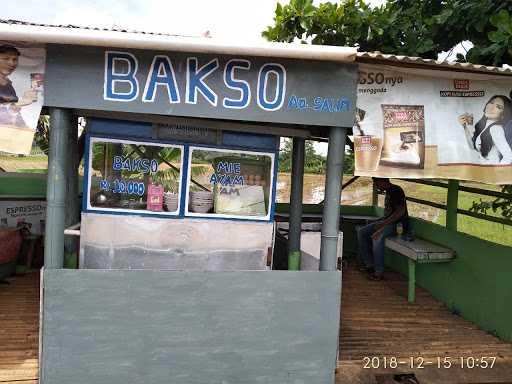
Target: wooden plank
[419, 249]
[391, 327]
[19, 332]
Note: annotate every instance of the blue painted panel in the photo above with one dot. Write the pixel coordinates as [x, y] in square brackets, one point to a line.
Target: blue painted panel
[120, 128]
[250, 140]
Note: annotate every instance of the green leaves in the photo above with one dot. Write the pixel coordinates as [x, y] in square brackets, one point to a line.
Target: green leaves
[497, 48]
[404, 27]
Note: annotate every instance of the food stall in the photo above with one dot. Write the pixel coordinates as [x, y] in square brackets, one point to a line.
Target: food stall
[169, 203]
[174, 280]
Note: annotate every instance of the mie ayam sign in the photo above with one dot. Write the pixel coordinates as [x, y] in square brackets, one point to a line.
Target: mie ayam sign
[199, 85]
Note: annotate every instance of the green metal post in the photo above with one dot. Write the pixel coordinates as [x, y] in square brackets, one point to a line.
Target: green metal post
[411, 294]
[452, 205]
[331, 212]
[297, 177]
[72, 202]
[56, 188]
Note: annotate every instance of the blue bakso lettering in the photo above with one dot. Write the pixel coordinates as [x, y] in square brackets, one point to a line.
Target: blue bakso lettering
[113, 76]
[145, 165]
[154, 166]
[195, 81]
[237, 168]
[277, 100]
[238, 180]
[213, 179]
[104, 185]
[126, 165]
[326, 106]
[237, 84]
[317, 103]
[116, 163]
[222, 167]
[292, 102]
[161, 73]
[136, 164]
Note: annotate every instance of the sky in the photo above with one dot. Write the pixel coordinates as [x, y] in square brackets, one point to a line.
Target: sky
[236, 20]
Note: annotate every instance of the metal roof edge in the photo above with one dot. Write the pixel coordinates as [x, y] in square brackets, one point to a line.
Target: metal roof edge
[418, 62]
[49, 34]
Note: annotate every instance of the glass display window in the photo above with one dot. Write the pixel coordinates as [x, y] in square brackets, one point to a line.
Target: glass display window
[229, 183]
[132, 176]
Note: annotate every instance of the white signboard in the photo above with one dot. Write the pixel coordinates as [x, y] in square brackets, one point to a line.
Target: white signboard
[33, 213]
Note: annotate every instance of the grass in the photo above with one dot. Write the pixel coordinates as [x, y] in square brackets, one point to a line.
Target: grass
[17, 158]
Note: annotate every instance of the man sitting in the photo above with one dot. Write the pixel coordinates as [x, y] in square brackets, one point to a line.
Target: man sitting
[371, 237]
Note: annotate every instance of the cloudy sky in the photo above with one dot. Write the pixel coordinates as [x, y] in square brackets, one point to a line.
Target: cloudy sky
[239, 20]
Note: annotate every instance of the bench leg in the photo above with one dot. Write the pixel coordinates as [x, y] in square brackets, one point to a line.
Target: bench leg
[411, 294]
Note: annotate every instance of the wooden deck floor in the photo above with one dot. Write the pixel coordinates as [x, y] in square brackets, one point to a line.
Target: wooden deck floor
[377, 321]
[19, 330]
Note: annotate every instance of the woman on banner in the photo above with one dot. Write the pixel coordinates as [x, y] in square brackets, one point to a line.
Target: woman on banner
[10, 104]
[487, 137]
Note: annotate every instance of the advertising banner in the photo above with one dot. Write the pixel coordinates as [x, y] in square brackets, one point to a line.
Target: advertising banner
[32, 214]
[414, 123]
[21, 95]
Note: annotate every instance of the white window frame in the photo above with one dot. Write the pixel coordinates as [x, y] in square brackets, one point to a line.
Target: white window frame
[94, 140]
[187, 213]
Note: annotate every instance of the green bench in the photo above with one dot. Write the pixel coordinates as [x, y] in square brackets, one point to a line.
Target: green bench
[418, 251]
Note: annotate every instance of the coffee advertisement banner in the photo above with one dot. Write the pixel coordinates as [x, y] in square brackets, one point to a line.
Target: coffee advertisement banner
[31, 214]
[21, 95]
[414, 123]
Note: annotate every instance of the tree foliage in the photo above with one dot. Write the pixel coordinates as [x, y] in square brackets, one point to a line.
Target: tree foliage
[403, 27]
[313, 162]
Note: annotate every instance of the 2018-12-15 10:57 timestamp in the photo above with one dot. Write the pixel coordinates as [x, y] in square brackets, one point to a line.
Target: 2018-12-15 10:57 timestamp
[418, 362]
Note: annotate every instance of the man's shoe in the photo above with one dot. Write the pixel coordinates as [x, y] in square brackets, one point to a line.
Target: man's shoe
[366, 269]
[376, 277]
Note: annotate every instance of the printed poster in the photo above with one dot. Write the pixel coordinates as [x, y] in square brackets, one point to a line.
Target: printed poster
[21, 95]
[413, 123]
[32, 214]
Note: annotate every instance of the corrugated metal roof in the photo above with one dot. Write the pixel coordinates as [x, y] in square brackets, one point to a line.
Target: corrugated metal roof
[13, 30]
[71, 26]
[381, 58]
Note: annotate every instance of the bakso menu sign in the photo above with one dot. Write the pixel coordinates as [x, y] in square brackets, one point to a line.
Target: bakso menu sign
[210, 86]
[426, 124]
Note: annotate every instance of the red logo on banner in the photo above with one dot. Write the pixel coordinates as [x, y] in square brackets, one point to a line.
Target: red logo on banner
[366, 140]
[401, 115]
[461, 84]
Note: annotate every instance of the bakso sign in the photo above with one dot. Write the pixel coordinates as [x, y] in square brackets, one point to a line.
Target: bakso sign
[239, 88]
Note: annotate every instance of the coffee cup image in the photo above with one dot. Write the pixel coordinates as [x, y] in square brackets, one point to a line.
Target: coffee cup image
[367, 152]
